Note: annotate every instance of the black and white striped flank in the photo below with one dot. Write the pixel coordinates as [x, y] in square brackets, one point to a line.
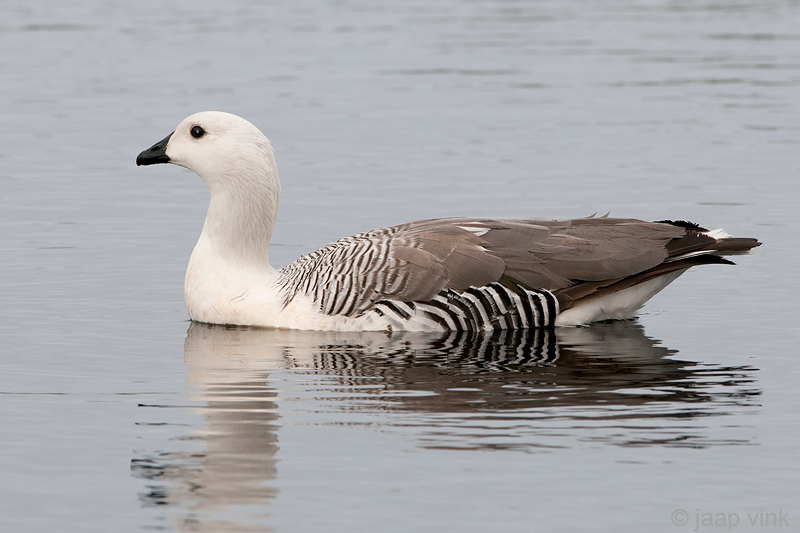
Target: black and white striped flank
[358, 276]
[347, 276]
[491, 307]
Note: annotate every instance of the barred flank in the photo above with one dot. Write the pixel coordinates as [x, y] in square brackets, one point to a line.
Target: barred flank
[491, 307]
[359, 275]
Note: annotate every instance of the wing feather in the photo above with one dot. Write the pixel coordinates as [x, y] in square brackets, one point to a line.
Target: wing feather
[416, 261]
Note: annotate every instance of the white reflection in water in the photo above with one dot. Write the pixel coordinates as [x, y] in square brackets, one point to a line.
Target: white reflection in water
[531, 391]
[240, 438]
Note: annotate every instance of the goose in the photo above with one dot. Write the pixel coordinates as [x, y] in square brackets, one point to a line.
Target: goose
[449, 274]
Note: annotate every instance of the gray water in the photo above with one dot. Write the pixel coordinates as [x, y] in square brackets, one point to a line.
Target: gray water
[117, 414]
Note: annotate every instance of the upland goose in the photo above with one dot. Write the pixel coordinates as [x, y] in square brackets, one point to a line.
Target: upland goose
[439, 274]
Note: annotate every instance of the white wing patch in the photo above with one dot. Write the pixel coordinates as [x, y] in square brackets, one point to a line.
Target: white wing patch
[719, 234]
[479, 231]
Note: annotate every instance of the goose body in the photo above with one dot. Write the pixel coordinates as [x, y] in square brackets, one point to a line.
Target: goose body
[440, 274]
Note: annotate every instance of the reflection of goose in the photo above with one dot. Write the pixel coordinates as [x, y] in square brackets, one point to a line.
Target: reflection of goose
[602, 368]
[430, 275]
[239, 435]
[610, 364]
[539, 389]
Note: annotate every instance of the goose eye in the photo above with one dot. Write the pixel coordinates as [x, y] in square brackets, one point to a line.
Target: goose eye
[198, 132]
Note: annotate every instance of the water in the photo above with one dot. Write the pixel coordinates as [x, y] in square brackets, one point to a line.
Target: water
[118, 415]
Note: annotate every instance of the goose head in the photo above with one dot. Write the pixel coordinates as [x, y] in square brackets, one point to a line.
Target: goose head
[237, 163]
[226, 151]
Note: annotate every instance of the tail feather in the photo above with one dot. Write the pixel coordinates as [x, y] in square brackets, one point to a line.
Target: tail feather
[735, 245]
[698, 246]
[700, 241]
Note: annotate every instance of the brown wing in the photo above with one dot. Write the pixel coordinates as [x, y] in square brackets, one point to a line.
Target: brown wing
[576, 259]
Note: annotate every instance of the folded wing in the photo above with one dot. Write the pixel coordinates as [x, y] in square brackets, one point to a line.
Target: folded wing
[576, 259]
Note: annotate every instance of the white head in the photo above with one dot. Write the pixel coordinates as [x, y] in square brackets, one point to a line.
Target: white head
[219, 147]
[236, 162]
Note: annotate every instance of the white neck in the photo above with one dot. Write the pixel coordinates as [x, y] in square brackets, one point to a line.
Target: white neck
[239, 224]
[229, 279]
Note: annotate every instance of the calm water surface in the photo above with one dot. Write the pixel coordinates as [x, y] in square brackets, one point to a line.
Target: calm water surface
[117, 414]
